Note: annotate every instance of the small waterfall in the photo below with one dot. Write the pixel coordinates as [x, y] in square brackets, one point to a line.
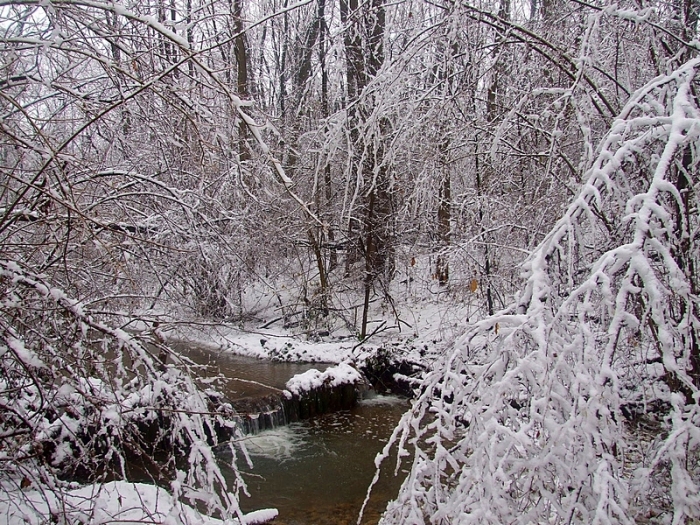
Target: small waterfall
[253, 415]
[261, 395]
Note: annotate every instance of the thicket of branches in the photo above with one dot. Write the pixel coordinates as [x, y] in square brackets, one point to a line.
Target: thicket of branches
[85, 401]
[451, 130]
[579, 403]
[190, 153]
[114, 197]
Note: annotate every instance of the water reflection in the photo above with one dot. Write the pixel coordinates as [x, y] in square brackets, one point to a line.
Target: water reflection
[245, 377]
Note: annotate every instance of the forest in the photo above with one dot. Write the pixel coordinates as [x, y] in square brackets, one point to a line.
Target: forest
[504, 188]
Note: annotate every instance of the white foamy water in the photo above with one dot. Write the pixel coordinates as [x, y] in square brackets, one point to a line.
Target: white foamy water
[316, 472]
[279, 444]
[380, 399]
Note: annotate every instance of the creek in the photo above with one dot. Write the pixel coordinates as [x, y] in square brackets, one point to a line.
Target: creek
[315, 471]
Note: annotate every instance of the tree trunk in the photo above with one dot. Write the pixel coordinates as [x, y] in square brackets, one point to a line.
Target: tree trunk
[301, 78]
[241, 52]
[378, 231]
[325, 113]
[442, 267]
[355, 79]
[684, 184]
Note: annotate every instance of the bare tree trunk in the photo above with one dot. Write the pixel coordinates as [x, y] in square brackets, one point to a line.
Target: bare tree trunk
[492, 115]
[301, 78]
[190, 36]
[487, 256]
[684, 184]
[548, 9]
[325, 113]
[442, 267]
[369, 253]
[686, 176]
[355, 77]
[444, 214]
[378, 232]
[241, 52]
[322, 275]
[361, 65]
[687, 14]
[283, 62]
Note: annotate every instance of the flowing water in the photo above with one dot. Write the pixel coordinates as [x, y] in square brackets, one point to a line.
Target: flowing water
[247, 377]
[315, 472]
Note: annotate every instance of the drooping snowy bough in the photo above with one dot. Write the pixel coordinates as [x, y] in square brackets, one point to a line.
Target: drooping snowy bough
[542, 413]
[82, 400]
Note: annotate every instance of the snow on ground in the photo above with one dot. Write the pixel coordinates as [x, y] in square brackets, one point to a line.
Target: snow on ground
[114, 502]
[282, 346]
[420, 315]
[433, 325]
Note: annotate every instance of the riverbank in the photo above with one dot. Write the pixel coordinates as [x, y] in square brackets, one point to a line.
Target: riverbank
[387, 358]
[391, 365]
[116, 501]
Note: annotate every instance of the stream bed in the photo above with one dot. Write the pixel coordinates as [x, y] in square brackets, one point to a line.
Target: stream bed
[316, 471]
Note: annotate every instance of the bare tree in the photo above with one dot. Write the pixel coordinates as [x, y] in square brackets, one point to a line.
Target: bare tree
[532, 417]
[114, 167]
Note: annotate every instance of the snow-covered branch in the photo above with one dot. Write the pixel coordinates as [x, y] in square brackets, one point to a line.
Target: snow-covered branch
[527, 414]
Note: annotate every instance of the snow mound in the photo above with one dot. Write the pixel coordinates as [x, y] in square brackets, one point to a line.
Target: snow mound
[117, 501]
[342, 374]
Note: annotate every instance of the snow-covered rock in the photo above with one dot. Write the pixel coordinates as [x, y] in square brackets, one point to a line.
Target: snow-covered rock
[314, 392]
[342, 374]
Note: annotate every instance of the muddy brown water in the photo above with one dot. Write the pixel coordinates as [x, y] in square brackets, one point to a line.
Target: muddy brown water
[315, 472]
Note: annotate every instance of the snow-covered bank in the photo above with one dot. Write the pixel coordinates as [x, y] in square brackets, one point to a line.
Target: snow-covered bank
[114, 502]
[283, 347]
[420, 316]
